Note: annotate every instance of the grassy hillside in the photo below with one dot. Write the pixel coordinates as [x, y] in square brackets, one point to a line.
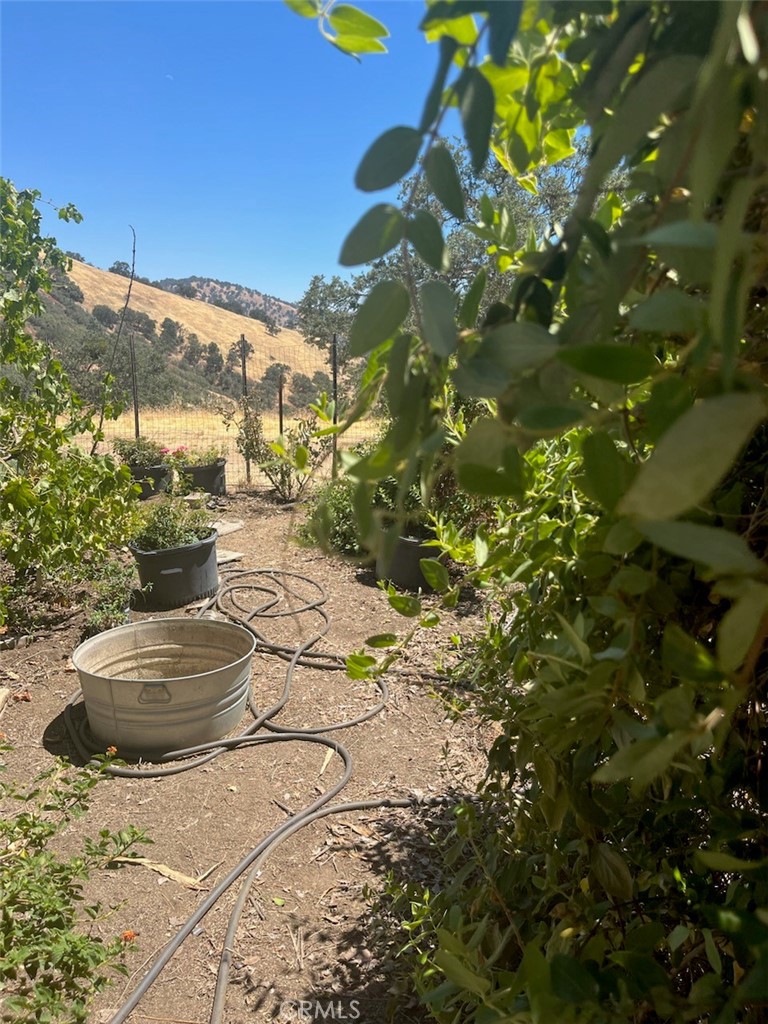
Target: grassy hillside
[222, 293]
[209, 323]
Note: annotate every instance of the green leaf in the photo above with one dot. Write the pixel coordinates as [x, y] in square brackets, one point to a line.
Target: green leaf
[717, 134]
[488, 462]
[739, 626]
[710, 948]
[622, 538]
[390, 157]
[608, 471]
[359, 665]
[470, 305]
[476, 106]
[652, 92]
[404, 604]
[349, 21]
[546, 419]
[381, 314]
[435, 574]
[669, 312]
[723, 552]
[443, 179]
[670, 398]
[502, 20]
[611, 871]
[358, 44]
[382, 640]
[306, 8]
[438, 306]
[448, 48]
[504, 352]
[726, 862]
[424, 233]
[643, 760]
[459, 974]
[685, 657]
[377, 231]
[693, 456]
[686, 234]
[754, 988]
[480, 545]
[618, 363]
[679, 934]
[571, 981]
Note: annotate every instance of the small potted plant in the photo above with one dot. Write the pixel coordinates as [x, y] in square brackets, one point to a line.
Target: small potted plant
[145, 459]
[175, 550]
[406, 531]
[204, 468]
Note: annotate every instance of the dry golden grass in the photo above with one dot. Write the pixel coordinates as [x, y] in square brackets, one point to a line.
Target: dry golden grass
[200, 428]
[208, 322]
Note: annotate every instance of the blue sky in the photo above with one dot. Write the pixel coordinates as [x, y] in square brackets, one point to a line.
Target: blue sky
[226, 133]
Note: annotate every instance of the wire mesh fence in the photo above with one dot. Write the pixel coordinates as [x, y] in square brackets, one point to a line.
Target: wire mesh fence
[279, 392]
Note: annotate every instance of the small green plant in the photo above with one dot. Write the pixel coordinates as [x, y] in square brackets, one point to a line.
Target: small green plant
[331, 519]
[183, 456]
[289, 462]
[52, 963]
[110, 597]
[171, 523]
[139, 451]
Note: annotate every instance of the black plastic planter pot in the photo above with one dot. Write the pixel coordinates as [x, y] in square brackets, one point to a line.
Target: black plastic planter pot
[402, 567]
[174, 577]
[153, 479]
[211, 478]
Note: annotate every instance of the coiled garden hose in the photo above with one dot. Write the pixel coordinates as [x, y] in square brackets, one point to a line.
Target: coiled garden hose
[279, 596]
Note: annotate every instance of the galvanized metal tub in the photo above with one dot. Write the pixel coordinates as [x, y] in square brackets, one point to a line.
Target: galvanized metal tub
[164, 684]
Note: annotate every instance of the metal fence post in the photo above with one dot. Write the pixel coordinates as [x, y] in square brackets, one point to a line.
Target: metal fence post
[134, 385]
[335, 373]
[246, 410]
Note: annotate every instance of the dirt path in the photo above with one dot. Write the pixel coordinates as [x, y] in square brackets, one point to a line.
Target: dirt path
[305, 933]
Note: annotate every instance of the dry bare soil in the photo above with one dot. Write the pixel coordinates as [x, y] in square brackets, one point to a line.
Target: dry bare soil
[306, 932]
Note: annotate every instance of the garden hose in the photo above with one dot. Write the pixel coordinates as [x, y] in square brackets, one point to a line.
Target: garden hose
[279, 596]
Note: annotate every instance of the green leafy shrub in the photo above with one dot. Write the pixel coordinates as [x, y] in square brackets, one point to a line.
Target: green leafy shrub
[52, 962]
[617, 871]
[185, 456]
[57, 504]
[171, 522]
[140, 451]
[110, 595]
[290, 460]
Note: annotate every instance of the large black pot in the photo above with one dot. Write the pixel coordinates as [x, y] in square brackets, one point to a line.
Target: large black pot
[153, 479]
[402, 566]
[211, 478]
[174, 577]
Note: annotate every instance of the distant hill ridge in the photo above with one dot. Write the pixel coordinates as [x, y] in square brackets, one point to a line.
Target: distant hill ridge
[234, 297]
[211, 323]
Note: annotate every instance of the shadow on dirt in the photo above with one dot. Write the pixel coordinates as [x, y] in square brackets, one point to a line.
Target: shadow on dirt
[358, 976]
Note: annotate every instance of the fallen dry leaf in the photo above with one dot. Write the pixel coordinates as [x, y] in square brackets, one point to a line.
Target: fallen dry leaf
[25, 695]
[161, 869]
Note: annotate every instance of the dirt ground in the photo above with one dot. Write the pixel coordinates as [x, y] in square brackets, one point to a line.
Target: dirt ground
[306, 933]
